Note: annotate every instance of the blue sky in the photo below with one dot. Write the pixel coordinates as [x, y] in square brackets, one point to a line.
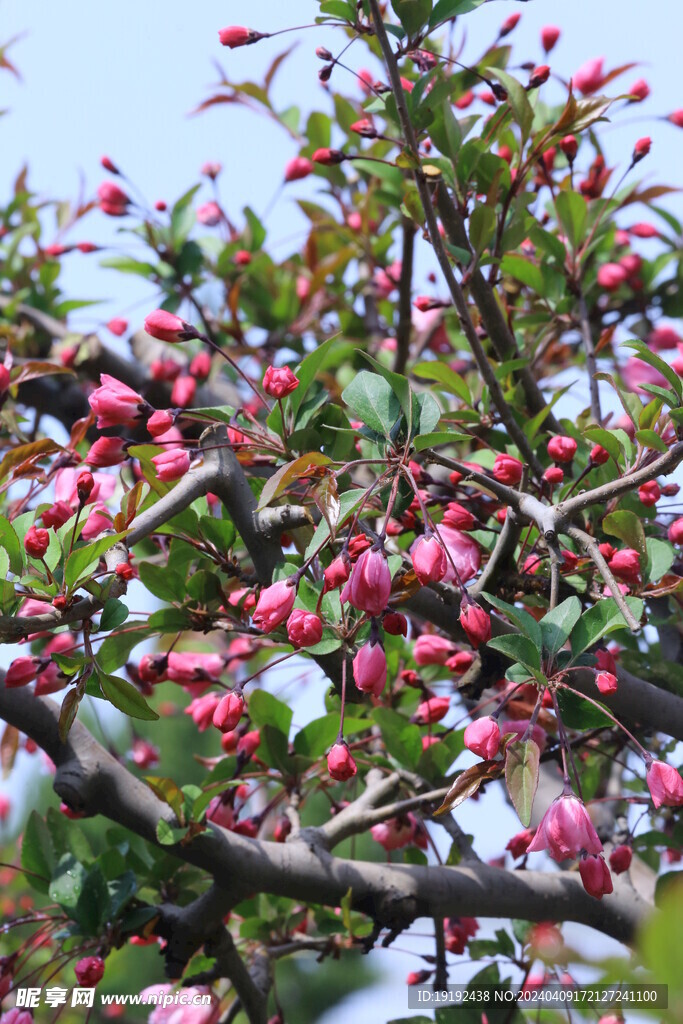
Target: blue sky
[121, 79]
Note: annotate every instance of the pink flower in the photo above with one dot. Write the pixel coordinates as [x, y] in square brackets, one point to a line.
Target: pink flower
[562, 449]
[89, 971]
[429, 560]
[188, 667]
[171, 465]
[211, 169]
[297, 168]
[279, 382]
[370, 668]
[23, 670]
[304, 629]
[173, 1013]
[519, 844]
[611, 276]
[106, 451]
[202, 710]
[36, 542]
[589, 77]
[476, 622]
[112, 200]
[507, 469]
[249, 743]
[183, 391]
[209, 214]
[274, 605]
[620, 859]
[159, 423]
[635, 372]
[663, 338]
[665, 784]
[606, 682]
[432, 710]
[165, 326]
[369, 586]
[463, 551]
[519, 727]
[228, 712]
[5, 808]
[675, 531]
[17, 1016]
[649, 493]
[640, 89]
[394, 833]
[337, 572]
[549, 36]
[482, 737]
[641, 148]
[625, 565]
[566, 830]
[459, 517]
[432, 650]
[569, 147]
[118, 326]
[237, 35]
[115, 404]
[595, 876]
[340, 763]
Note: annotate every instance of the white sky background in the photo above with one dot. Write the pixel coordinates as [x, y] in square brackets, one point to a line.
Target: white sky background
[121, 79]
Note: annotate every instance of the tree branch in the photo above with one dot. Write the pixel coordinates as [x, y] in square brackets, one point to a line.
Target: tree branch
[405, 319]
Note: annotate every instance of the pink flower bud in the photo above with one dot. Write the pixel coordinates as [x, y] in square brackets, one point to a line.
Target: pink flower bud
[641, 148]
[165, 326]
[589, 78]
[539, 76]
[109, 165]
[340, 763]
[432, 710]
[337, 572]
[394, 833]
[369, 586]
[249, 743]
[58, 514]
[370, 668]
[554, 475]
[430, 649]
[395, 624]
[279, 382]
[507, 469]
[569, 147]
[183, 391]
[115, 404]
[620, 859]
[566, 830]
[209, 214]
[274, 605]
[36, 542]
[171, 465]
[595, 876]
[328, 157]
[112, 200]
[649, 493]
[599, 455]
[297, 168]
[509, 23]
[118, 326]
[562, 449]
[549, 36]
[228, 712]
[476, 623]
[625, 565]
[236, 35]
[665, 784]
[106, 451]
[663, 339]
[519, 844]
[304, 629]
[23, 670]
[460, 662]
[482, 737]
[85, 484]
[200, 367]
[640, 90]
[429, 560]
[676, 531]
[202, 710]
[606, 682]
[89, 971]
[160, 422]
[459, 517]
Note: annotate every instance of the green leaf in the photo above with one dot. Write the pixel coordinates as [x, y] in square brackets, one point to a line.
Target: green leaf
[164, 583]
[518, 648]
[627, 526]
[412, 14]
[402, 739]
[660, 558]
[37, 852]
[518, 617]
[84, 560]
[445, 132]
[557, 625]
[608, 439]
[518, 100]
[446, 9]
[444, 375]
[126, 698]
[93, 907]
[67, 882]
[572, 212]
[316, 738]
[114, 614]
[580, 714]
[373, 401]
[524, 270]
[115, 650]
[398, 384]
[167, 835]
[264, 709]
[604, 617]
[650, 439]
[658, 364]
[424, 441]
[522, 760]
[10, 543]
[483, 222]
[309, 367]
[183, 217]
[219, 532]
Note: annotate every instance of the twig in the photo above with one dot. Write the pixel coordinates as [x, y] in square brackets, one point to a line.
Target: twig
[592, 549]
[405, 321]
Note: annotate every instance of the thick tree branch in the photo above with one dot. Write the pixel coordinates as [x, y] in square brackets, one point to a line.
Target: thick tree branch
[405, 320]
[91, 780]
